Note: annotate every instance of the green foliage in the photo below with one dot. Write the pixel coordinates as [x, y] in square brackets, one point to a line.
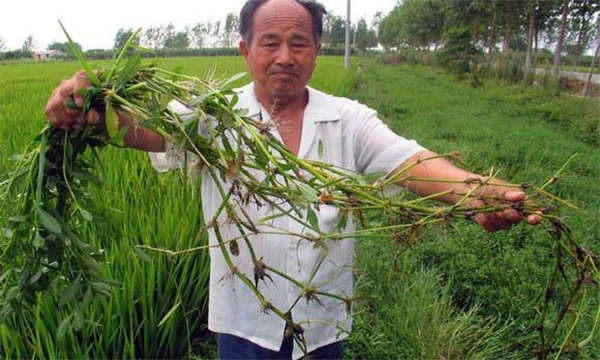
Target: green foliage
[365, 36]
[122, 36]
[459, 53]
[418, 23]
[500, 277]
[63, 47]
[334, 30]
[179, 40]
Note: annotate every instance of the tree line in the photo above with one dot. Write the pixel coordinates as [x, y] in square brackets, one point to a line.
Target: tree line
[536, 28]
[210, 37]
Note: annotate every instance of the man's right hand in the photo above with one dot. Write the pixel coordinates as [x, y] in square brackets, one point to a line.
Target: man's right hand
[64, 111]
[60, 110]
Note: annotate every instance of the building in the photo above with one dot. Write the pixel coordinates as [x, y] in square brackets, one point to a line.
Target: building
[41, 55]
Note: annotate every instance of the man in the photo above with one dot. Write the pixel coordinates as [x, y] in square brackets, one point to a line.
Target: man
[280, 44]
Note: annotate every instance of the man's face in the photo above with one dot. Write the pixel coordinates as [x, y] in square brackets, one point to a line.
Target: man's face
[282, 51]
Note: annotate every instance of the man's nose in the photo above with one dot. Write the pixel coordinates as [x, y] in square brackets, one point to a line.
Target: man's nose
[284, 56]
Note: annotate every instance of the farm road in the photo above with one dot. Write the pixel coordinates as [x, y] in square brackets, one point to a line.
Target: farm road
[573, 74]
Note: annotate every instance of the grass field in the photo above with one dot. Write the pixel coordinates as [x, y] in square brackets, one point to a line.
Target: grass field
[459, 293]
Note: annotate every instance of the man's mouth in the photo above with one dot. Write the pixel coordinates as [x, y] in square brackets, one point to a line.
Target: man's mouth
[283, 73]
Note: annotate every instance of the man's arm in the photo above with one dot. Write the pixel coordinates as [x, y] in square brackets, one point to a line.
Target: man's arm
[440, 168]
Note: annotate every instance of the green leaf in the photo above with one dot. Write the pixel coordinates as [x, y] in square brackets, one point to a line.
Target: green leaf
[77, 321]
[86, 215]
[101, 287]
[312, 218]
[63, 327]
[12, 293]
[234, 100]
[122, 53]
[48, 221]
[112, 125]
[200, 99]
[69, 293]
[232, 79]
[129, 70]
[18, 218]
[8, 233]
[37, 275]
[320, 149]
[169, 314]
[341, 225]
[38, 241]
[142, 254]
[70, 104]
[79, 55]
[309, 194]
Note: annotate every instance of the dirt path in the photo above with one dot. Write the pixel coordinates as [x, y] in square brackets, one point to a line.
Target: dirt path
[573, 74]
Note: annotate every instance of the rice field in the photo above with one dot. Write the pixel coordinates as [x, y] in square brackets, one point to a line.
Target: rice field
[459, 293]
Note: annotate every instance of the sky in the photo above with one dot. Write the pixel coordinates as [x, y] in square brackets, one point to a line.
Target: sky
[93, 24]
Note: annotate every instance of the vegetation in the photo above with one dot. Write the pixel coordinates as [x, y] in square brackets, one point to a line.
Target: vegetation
[464, 306]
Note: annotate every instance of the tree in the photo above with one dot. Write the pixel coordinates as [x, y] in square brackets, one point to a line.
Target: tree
[178, 40]
[586, 89]
[334, 30]
[390, 28]
[196, 35]
[561, 37]
[365, 36]
[232, 23]
[2, 44]
[122, 36]
[62, 47]
[28, 45]
[153, 37]
[532, 21]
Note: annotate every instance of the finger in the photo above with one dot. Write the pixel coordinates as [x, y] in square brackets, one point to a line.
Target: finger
[511, 216]
[72, 112]
[77, 127]
[495, 222]
[81, 82]
[534, 219]
[80, 120]
[57, 114]
[515, 196]
[483, 221]
[92, 117]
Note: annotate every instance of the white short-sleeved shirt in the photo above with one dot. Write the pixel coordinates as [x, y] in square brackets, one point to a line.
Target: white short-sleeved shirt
[352, 138]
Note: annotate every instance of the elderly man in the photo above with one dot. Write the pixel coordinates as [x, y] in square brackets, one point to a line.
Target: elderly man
[280, 44]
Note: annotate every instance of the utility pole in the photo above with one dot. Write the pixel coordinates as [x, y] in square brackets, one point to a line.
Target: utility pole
[347, 51]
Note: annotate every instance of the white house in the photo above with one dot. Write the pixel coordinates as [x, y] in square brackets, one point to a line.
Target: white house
[41, 55]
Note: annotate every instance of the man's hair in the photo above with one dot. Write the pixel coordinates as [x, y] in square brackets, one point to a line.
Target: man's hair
[316, 11]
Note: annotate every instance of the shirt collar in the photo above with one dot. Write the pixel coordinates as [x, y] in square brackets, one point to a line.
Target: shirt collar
[320, 108]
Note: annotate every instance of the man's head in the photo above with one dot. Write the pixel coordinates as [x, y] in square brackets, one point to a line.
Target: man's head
[280, 42]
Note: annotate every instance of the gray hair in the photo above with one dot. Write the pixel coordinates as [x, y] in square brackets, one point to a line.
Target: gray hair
[316, 11]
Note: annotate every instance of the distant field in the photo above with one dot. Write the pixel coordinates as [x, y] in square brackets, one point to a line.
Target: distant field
[460, 293]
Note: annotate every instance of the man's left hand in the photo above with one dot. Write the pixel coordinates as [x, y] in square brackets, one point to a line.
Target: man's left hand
[503, 220]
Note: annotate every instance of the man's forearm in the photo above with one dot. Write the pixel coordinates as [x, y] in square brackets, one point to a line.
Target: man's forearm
[442, 170]
[141, 138]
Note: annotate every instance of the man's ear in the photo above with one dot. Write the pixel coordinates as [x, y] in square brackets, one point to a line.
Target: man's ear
[244, 49]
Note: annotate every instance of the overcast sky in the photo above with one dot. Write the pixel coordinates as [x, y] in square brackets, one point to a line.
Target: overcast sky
[94, 24]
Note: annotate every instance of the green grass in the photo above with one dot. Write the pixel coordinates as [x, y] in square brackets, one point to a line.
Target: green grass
[502, 275]
[459, 293]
